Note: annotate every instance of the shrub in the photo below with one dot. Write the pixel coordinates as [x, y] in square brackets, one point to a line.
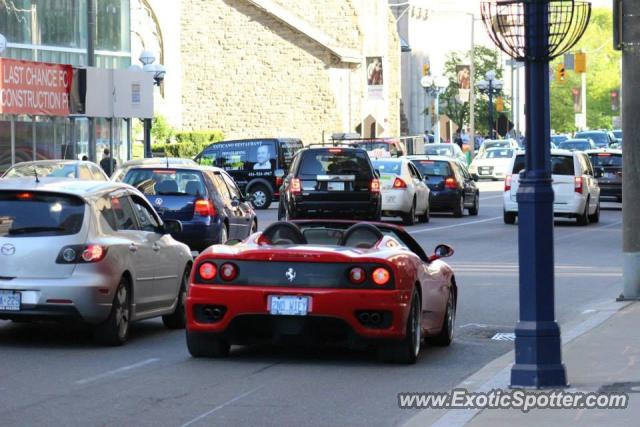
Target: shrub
[189, 143]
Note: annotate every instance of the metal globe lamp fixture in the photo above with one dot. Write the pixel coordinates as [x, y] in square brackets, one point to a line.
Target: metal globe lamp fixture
[434, 87]
[158, 71]
[491, 86]
[535, 32]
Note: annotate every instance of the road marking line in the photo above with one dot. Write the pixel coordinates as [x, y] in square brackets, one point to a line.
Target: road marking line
[217, 408]
[453, 226]
[117, 371]
[492, 197]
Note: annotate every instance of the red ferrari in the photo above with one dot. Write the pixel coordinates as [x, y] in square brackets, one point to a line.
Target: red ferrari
[321, 281]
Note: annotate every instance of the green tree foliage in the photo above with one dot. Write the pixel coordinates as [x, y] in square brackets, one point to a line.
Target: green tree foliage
[161, 130]
[188, 143]
[603, 76]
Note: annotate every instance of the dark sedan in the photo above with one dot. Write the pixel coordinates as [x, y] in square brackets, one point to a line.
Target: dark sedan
[609, 165]
[205, 199]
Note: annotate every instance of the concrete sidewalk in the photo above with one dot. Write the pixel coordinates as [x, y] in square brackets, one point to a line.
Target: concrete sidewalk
[602, 354]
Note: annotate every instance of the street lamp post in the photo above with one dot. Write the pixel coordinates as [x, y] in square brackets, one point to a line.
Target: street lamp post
[491, 86]
[147, 58]
[434, 87]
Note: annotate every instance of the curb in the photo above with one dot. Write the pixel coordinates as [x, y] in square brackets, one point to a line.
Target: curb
[496, 374]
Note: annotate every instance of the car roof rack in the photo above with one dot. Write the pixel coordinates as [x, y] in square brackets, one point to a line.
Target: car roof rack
[329, 144]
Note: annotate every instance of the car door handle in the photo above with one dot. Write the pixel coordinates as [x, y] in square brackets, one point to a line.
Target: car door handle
[133, 248]
[155, 247]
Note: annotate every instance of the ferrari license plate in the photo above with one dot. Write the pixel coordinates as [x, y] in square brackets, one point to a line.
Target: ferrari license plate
[335, 186]
[288, 305]
[9, 301]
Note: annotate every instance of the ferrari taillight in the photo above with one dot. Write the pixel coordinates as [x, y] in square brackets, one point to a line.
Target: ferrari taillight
[357, 275]
[207, 270]
[380, 276]
[228, 271]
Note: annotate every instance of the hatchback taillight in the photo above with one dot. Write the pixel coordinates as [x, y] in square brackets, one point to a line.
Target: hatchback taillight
[296, 187]
[81, 254]
[450, 183]
[375, 185]
[578, 184]
[204, 208]
[507, 183]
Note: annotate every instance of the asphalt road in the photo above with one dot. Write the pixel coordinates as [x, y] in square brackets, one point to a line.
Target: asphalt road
[52, 375]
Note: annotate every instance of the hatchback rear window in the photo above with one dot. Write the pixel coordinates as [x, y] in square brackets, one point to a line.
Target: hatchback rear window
[166, 182]
[433, 167]
[53, 170]
[331, 162]
[28, 214]
[606, 160]
[560, 165]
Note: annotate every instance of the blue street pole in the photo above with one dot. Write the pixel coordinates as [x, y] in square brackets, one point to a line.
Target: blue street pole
[538, 347]
[491, 109]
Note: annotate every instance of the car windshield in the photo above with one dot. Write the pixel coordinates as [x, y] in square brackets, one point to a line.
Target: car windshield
[558, 138]
[499, 153]
[560, 165]
[438, 151]
[617, 134]
[495, 144]
[433, 167]
[168, 182]
[53, 170]
[603, 160]
[600, 138]
[335, 161]
[575, 145]
[39, 214]
[387, 166]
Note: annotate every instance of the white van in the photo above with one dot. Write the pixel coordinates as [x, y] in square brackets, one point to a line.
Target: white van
[575, 187]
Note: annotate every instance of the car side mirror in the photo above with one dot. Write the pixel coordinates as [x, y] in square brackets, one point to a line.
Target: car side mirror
[475, 178]
[172, 226]
[442, 251]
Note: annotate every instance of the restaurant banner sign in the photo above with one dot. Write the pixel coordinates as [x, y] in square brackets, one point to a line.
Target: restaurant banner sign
[34, 88]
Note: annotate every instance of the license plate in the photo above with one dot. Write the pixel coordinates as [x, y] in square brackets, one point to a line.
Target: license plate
[335, 186]
[9, 301]
[288, 305]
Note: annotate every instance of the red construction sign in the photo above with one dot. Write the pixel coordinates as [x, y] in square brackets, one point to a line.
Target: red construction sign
[34, 88]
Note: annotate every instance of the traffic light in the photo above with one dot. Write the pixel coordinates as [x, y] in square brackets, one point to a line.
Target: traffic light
[500, 104]
[425, 69]
[581, 62]
[561, 73]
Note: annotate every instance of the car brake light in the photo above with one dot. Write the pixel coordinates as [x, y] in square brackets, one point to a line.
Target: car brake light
[507, 183]
[296, 188]
[228, 271]
[451, 183]
[207, 270]
[24, 196]
[93, 253]
[278, 181]
[357, 275]
[80, 254]
[204, 208]
[604, 155]
[399, 183]
[578, 184]
[335, 150]
[380, 276]
[375, 185]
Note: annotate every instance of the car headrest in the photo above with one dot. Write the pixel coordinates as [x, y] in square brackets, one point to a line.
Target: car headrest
[193, 188]
[363, 235]
[167, 186]
[283, 233]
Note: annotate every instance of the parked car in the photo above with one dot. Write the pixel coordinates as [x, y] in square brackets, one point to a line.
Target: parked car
[493, 164]
[557, 139]
[72, 169]
[453, 189]
[577, 145]
[323, 281]
[404, 191]
[155, 161]
[258, 166]
[575, 187]
[333, 182]
[496, 143]
[205, 199]
[608, 164]
[602, 139]
[452, 151]
[103, 256]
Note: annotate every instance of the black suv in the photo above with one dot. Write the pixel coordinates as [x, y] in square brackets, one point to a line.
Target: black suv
[258, 166]
[336, 182]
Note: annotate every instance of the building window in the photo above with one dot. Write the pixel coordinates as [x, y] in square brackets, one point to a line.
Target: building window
[113, 25]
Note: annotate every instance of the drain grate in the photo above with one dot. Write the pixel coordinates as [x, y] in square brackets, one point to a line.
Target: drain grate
[504, 336]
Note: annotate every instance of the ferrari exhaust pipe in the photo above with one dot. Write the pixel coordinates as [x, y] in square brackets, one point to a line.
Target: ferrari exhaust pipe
[375, 318]
[217, 313]
[364, 317]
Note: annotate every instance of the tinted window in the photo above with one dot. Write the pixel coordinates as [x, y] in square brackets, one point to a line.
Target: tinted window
[560, 165]
[575, 145]
[40, 214]
[117, 213]
[97, 173]
[145, 217]
[336, 163]
[218, 182]
[603, 160]
[175, 182]
[245, 156]
[617, 134]
[387, 166]
[433, 167]
[231, 185]
[378, 148]
[289, 149]
[51, 170]
[438, 151]
[85, 173]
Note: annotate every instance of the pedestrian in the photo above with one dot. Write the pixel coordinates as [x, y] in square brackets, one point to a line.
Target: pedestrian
[108, 163]
[458, 138]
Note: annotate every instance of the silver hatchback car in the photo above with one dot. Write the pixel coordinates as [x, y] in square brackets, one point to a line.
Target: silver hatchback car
[94, 252]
